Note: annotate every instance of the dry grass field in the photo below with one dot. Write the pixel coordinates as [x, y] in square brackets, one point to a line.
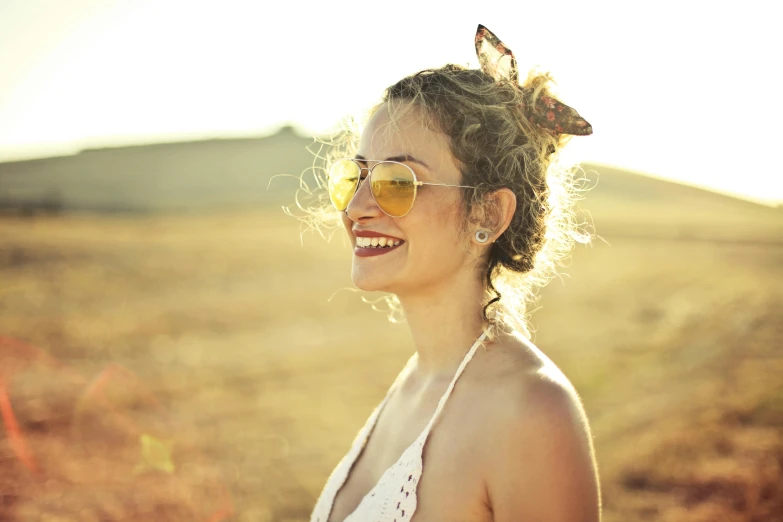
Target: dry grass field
[254, 363]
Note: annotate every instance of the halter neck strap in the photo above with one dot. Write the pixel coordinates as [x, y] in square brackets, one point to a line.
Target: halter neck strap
[446, 395]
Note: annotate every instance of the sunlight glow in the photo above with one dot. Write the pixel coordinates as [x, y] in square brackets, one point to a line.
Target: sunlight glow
[665, 87]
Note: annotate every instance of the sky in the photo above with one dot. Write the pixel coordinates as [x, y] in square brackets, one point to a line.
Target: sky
[685, 90]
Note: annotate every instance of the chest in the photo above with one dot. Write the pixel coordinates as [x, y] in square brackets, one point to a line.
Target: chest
[451, 484]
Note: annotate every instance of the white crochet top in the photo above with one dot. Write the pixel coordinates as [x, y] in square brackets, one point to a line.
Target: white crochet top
[393, 498]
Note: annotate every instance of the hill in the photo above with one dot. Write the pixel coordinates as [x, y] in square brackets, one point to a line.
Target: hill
[627, 204]
[187, 176]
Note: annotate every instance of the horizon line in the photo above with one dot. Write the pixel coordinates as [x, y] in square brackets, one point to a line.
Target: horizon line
[304, 134]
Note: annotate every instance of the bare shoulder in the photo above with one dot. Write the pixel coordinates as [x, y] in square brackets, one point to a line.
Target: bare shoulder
[539, 462]
[530, 384]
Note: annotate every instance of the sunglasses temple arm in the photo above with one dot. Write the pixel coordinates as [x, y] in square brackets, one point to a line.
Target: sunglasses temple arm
[419, 183]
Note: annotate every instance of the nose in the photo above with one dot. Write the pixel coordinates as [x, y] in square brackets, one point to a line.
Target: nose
[362, 204]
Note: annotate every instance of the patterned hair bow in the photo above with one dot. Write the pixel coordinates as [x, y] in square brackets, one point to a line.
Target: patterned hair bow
[498, 61]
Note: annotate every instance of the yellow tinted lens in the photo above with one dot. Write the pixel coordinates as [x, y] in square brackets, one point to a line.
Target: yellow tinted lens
[394, 188]
[343, 178]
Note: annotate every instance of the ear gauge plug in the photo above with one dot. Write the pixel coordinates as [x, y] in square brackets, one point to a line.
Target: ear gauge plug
[482, 236]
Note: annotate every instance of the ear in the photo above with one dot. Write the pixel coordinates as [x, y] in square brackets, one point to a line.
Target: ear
[496, 212]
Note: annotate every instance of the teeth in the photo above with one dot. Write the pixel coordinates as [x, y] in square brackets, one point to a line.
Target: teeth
[377, 242]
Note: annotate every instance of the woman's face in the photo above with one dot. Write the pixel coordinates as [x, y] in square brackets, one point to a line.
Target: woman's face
[433, 249]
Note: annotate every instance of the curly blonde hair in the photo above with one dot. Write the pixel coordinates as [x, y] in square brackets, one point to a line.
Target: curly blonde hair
[496, 146]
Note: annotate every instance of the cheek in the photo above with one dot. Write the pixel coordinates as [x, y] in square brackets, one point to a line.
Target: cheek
[440, 221]
[348, 225]
[445, 214]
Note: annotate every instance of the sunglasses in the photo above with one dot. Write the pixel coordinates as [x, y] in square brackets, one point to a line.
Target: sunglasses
[393, 185]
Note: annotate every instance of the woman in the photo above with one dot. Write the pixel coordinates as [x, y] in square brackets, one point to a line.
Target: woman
[453, 203]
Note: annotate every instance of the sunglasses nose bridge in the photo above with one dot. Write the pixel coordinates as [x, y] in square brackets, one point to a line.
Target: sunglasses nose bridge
[357, 200]
[360, 181]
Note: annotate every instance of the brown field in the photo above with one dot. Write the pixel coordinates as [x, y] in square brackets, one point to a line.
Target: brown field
[670, 326]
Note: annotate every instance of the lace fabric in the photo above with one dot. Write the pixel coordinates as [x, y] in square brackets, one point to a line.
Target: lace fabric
[393, 498]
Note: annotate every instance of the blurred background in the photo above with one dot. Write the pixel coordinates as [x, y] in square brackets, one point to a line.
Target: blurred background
[172, 347]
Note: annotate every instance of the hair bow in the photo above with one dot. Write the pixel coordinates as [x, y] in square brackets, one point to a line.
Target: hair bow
[498, 61]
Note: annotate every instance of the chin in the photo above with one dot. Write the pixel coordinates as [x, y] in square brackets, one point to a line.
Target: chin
[369, 284]
[370, 280]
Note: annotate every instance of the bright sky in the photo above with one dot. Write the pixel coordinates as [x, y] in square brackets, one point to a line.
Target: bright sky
[684, 90]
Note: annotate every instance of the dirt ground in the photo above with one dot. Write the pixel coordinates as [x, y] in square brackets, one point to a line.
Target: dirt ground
[248, 352]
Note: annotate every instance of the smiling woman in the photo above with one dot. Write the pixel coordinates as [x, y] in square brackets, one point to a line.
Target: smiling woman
[455, 205]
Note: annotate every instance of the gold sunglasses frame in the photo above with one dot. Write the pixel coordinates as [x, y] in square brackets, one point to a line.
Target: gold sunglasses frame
[416, 182]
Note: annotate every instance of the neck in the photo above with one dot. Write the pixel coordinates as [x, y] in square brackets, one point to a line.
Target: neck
[444, 322]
